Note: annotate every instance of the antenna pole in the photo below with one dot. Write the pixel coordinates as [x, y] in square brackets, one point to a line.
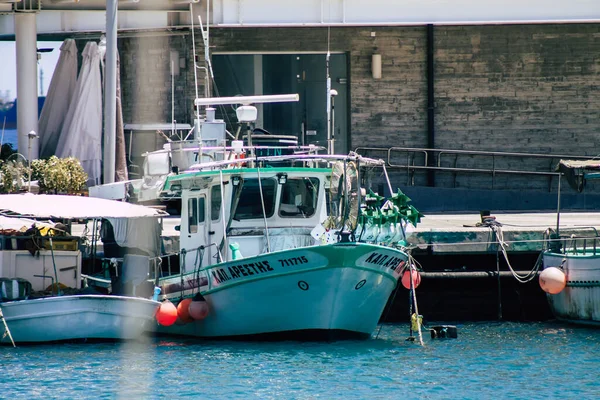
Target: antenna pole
[207, 47]
[558, 207]
[195, 70]
[329, 141]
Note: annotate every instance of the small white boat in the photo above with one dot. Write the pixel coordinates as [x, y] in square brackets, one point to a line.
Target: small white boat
[579, 301]
[78, 317]
[571, 260]
[42, 298]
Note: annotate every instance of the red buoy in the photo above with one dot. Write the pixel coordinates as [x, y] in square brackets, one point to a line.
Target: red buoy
[553, 280]
[166, 314]
[416, 278]
[183, 312]
[198, 309]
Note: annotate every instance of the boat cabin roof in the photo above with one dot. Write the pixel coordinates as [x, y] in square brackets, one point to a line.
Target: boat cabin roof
[71, 207]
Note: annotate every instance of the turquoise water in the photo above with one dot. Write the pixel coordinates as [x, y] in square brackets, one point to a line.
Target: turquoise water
[488, 360]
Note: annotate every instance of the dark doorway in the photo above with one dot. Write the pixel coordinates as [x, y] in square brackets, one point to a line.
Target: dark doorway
[304, 74]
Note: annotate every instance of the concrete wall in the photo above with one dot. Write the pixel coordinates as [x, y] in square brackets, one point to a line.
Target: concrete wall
[510, 88]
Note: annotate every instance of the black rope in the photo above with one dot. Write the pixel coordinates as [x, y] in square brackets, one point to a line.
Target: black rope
[389, 305]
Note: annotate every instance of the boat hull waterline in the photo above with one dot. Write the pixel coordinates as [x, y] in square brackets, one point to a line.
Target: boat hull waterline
[579, 301]
[336, 288]
[65, 318]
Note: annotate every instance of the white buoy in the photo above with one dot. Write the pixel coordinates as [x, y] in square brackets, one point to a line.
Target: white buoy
[553, 280]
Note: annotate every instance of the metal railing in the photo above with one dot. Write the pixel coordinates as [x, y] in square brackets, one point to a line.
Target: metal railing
[447, 160]
[582, 240]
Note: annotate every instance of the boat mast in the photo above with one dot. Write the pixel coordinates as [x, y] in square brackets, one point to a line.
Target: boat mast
[207, 62]
[328, 102]
[209, 76]
[195, 68]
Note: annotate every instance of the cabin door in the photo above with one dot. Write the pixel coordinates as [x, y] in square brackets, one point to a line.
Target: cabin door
[194, 232]
[215, 225]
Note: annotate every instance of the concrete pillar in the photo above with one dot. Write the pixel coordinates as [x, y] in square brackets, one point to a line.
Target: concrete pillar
[27, 98]
[110, 92]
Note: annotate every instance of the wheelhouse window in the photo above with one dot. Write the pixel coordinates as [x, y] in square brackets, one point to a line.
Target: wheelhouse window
[249, 204]
[215, 202]
[195, 213]
[299, 197]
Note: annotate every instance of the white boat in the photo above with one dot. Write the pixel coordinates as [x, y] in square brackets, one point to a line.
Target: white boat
[77, 317]
[571, 260]
[579, 301]
[320, 292]
[34, 307]
[278, 241]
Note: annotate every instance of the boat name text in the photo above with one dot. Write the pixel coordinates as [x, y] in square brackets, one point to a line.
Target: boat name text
[385, 260]
[221, 275]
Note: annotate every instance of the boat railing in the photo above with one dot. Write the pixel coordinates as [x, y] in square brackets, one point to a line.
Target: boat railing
[580, 240]
[189, 157]
[296, 157]
[415, 159]
[311, 149]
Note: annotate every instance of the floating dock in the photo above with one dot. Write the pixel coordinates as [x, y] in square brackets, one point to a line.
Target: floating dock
[467, 277]
[466, 234]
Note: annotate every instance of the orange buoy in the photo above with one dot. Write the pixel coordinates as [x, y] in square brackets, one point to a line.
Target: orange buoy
[553, 280]
[166, 314]
[416, 278]
[198, 308]
[183, 312]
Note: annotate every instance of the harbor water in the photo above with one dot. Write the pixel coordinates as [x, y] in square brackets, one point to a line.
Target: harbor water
[487, 360]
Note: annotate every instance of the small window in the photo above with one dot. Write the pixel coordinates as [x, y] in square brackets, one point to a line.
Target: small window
[299, 197]
[195, 214]
[215, 202]
[249, 205]
[192, 215]
[201, 210]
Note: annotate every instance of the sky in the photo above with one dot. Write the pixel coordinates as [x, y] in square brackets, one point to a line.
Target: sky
[8, 67]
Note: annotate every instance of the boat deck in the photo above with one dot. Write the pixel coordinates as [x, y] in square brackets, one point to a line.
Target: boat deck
[448, 233]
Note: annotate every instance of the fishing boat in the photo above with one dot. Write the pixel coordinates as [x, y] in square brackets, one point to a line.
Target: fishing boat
[47, 275]
[282, 241]
[571, 258]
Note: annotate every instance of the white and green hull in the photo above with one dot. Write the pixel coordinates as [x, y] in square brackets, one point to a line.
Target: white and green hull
[328, 291]
[579, 301]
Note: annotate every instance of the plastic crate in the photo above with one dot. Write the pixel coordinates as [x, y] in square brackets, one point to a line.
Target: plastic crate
[62, 245]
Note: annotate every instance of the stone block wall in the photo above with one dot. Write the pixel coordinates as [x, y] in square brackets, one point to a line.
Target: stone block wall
[146, 79]
[504, 88]
[516, 88]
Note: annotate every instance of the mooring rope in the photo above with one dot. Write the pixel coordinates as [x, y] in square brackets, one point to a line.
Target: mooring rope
[390, 302]
[262, 202]
[414, 299]
[529, 276]
[6, 330]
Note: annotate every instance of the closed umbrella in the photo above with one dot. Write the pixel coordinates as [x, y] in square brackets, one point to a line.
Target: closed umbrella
[81, 136]
[58, 99]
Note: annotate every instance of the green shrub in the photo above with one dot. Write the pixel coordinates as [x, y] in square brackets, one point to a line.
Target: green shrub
[54, 175]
